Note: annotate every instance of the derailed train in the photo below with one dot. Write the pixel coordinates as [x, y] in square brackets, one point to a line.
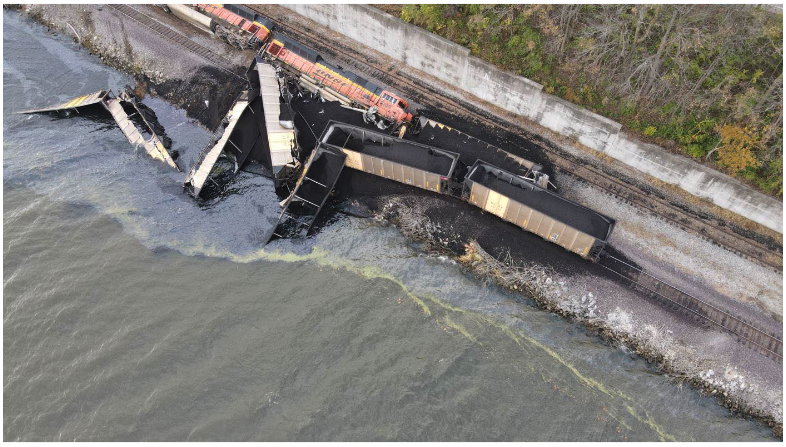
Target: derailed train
[334, 82]
[516, 199]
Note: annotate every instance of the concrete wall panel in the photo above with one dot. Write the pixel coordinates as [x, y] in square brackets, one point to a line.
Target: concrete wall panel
[699, 180]
[591, 129]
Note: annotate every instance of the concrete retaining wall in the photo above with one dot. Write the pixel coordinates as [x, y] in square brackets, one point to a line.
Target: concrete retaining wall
[452, 63]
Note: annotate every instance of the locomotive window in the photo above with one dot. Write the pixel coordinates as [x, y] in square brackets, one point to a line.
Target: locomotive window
[388, 98]
[253, 29]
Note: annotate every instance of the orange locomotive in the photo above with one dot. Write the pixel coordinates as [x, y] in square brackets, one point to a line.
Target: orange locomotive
[304, 60]
[240, 17]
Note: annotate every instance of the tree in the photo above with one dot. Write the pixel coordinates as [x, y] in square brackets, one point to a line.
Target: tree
[737, 148]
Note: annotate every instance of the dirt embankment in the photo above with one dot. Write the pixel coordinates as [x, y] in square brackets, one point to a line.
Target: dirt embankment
[158, 66]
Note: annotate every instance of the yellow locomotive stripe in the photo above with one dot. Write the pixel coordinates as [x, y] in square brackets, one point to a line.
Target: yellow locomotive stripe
[373, 96]
[261, 26]
[347, 80]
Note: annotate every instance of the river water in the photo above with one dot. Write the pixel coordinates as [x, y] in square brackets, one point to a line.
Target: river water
[132, 313]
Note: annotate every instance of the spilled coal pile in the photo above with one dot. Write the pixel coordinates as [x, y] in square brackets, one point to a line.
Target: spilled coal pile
[132, 312]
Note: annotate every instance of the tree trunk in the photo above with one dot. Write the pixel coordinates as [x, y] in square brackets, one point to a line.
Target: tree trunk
[655, 67]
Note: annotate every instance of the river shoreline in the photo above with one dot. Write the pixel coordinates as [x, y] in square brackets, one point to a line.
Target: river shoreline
[192, 85]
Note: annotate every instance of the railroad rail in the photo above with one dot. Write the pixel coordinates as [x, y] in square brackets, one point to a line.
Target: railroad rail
[757, 339]
[769, 255]
[150, 23]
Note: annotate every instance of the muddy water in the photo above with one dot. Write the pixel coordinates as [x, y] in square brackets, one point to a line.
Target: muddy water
[132, 313]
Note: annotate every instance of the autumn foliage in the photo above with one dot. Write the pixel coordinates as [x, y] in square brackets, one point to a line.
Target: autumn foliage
[704, 80]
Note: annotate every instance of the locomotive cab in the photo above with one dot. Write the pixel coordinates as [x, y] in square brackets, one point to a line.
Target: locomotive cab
[395, 106]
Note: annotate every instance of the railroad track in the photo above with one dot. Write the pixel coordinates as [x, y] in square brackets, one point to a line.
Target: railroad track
[757, 339]
[715, 233]
[767, 254]
[767, 344]
[172, 35]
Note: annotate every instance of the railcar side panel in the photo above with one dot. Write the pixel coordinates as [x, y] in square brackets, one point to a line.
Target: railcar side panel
[531, 220]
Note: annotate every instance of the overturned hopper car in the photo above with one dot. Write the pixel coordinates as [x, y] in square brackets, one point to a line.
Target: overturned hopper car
[319, 176]
[550, 216]
[404, 161]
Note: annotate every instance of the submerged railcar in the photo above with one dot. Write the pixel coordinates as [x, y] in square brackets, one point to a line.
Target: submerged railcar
[301, 59]
[400, 160]
[537, 210]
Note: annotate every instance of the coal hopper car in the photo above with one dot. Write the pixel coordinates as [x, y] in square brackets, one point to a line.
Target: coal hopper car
[537, 210]
[365, 150]
[400, 160]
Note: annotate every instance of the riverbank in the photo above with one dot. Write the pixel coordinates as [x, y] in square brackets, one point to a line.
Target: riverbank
[149, 58]
[669, 341]
[159, 66]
